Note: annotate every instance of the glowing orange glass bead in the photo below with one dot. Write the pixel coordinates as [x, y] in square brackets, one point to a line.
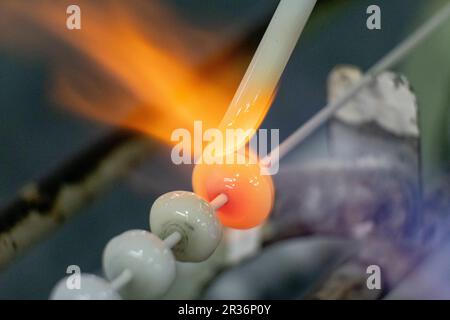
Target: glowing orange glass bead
[250, 194]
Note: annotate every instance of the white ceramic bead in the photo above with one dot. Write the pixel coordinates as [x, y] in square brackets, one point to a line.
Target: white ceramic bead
[150, 261]
[91, 287]
[193, 218]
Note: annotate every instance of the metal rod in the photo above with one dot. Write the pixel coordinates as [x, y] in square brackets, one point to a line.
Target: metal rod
[172, 239]
[389, 60]
[123, 279]
[219, 201]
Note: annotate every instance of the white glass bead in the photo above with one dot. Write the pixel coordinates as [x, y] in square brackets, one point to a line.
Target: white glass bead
[193, 217]
[91, 287]
[150, 261]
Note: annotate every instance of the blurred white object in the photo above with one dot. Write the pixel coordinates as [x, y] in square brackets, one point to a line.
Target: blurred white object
[150, 261]
[388, 102]
[242, 244]
[191, 216]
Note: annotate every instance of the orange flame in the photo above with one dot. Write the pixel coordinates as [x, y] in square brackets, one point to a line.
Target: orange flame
[134, 77]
